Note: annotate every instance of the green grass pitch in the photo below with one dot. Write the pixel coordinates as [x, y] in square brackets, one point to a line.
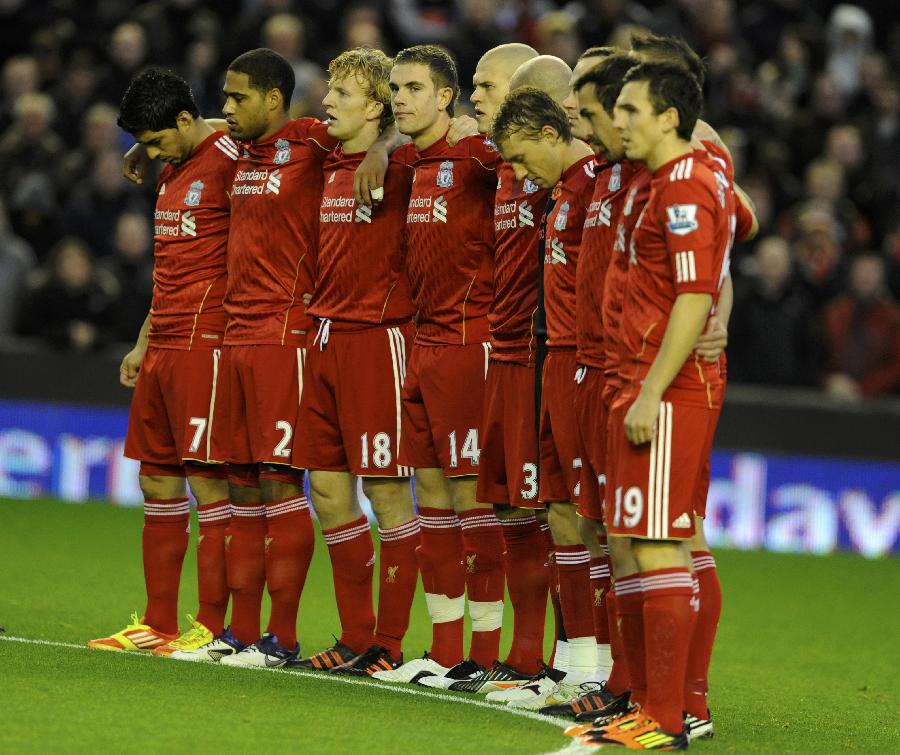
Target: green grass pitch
[806, 661]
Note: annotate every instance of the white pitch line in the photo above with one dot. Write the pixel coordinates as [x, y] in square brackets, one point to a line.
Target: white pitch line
[399, 688]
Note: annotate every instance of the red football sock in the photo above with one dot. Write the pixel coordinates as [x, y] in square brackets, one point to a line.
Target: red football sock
[485, 582]
[352, 564]
[165, 541]
[630, 613]
[212, 585]
[669, 622]
[600, 587]
[440, 557]
[559, 630]
[245, 560]
[697, 685]
[528, 580]
[289, 550]
[618, 681]
[398, 574]
[573, 567]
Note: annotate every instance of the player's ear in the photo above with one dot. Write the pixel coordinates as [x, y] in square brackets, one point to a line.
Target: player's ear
[275, 100]
[670, 119]
[183, 121]
[549, 134]
[374, 109]
[445, 97]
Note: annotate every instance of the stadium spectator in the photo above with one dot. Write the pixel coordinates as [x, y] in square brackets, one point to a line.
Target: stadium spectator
[75, 92]
[16, 263]
[72, 306]
[285, 34]
[862, 335]
[99, 133]
[771, 334]
[30, 144]
[34, 212]
[132, 268]
[127, 54]
[97, 201]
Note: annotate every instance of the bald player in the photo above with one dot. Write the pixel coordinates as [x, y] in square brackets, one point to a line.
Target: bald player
[507, 472]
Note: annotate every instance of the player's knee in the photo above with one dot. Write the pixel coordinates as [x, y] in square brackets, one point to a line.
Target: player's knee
[508, 513]
[563, 521]
[161, 482]
[698, 541]
[278, 482]
[333, 498]
[589, 529]
[463, 494]
[391, 500]
[432, 489]
[660, 554]
[621, 557]
[208, 484]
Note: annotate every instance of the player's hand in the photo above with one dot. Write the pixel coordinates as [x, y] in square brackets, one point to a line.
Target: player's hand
[460, 127]
[369, 176]
[130, 367]
[135, 163]
[712, 342]
[641, 418]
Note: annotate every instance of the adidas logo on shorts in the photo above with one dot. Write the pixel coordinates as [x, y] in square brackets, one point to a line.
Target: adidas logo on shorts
[682, 522]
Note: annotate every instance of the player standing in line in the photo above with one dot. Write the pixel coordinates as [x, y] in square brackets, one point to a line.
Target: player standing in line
[551, 75]
[596, 91]
[354, 375]
[271, 264]
[449, 237]
[534, 135]
[678, 257]
[174, 364]
[507, 470]
[710, 346]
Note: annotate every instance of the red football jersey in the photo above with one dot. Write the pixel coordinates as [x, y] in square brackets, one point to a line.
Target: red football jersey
[275, 202]
[360, 276]
[598, 236]
[190, 240]
[518, 208]
[450, 240]
[680, 244]
[722, 159]
[638, 191]
[562, 228]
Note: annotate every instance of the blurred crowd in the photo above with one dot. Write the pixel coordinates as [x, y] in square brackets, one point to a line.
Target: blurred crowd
[805, 93]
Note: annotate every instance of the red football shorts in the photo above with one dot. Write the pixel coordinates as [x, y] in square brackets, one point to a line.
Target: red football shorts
[591, 413]
[508, 470]
[443, 396]
[560, 463]
[654, 484]
[260, 399]
[172, 407]
[702, 491]
[350, 412]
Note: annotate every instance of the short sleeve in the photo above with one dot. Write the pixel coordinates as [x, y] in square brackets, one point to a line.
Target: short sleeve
[688, 218]
[316, 133]
[484, 152]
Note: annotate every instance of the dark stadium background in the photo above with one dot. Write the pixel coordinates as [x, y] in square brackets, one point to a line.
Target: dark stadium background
[805, 94]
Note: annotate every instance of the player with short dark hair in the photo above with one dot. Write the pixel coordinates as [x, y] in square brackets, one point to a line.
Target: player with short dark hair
[449, 237]
[589, 58]
[175, 363]
[678, 261]
[353, 377]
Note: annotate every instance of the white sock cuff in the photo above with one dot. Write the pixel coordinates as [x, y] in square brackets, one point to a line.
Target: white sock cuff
[486, 615]
[443, 609]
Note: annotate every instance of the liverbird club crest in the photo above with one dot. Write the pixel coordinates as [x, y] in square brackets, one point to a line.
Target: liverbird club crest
[562, 217]
[445, 175]
[283, 153]
[192, 198]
